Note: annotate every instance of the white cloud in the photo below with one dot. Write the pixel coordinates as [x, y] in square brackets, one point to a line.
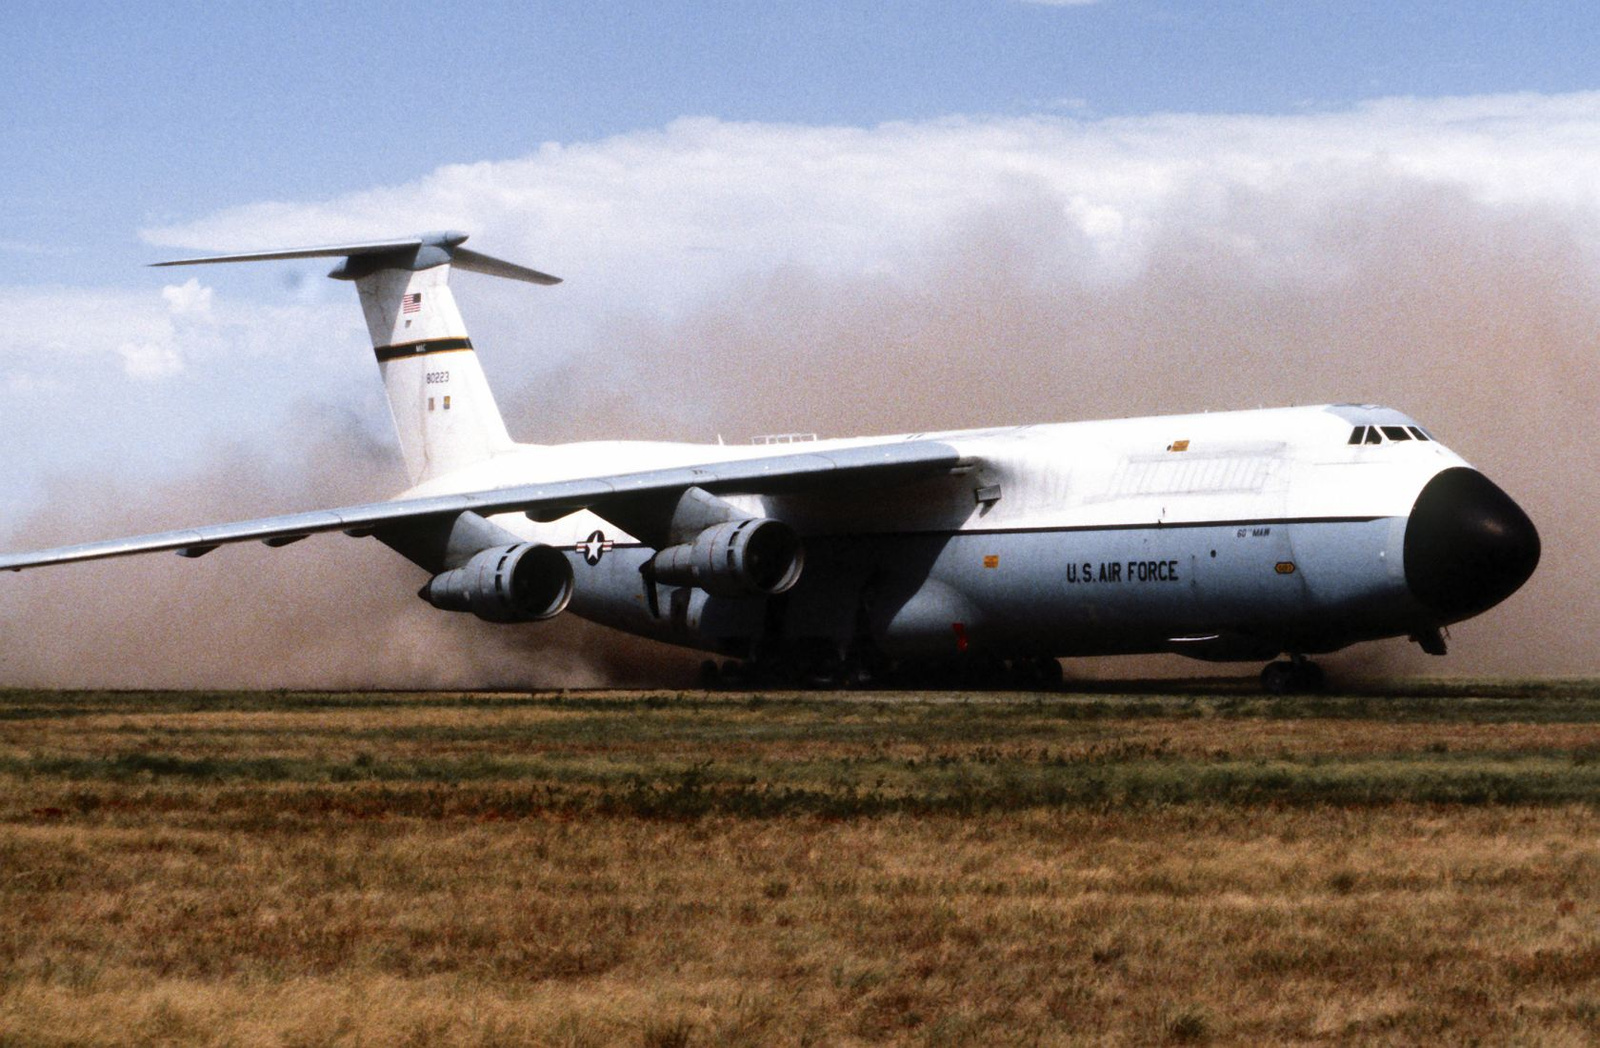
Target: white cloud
[50, 323]
[24, 383]
[149, 360]
[189, 298]
[651, 219]
[657, 222]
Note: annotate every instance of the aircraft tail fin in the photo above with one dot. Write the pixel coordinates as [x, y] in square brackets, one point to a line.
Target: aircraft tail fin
[444, 412]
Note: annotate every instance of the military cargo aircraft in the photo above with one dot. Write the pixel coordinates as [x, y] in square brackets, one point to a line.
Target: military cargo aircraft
[1229, 536]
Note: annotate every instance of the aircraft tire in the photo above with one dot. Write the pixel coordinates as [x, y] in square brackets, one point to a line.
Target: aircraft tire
[1312, 679]
[1025, 674]
[710, 675]
[1296, 677]
[826, 672]
[981, 673]
[1278, 678]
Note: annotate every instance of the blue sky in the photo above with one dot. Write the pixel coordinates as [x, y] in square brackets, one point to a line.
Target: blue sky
[125, 116]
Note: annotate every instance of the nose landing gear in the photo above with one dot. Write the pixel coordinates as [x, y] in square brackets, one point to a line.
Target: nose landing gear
[1294, 676]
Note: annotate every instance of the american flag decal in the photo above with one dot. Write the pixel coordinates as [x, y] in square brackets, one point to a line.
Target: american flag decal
[411, 303]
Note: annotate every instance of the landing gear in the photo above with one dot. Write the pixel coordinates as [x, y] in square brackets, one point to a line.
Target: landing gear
[822, 668]
[1040, 674]
[825, 668]
[710, 675]
[1296, 676]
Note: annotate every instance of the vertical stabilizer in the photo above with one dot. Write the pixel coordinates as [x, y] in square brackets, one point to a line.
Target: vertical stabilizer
[444, 413]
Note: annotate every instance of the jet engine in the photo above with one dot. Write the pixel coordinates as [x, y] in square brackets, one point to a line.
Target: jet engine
[739, 558]
[526, 582]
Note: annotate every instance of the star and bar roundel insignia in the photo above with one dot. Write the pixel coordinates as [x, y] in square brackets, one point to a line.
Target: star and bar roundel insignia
[594, 547]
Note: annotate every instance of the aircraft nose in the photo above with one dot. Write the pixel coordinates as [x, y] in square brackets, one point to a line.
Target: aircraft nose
[1467, 546]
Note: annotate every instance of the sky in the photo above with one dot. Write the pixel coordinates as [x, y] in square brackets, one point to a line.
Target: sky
[1113, 207]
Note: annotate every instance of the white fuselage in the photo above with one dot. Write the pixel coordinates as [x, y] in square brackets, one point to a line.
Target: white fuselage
[1223, 535]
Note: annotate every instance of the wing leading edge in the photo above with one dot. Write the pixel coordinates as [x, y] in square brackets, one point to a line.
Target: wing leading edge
[895, 462]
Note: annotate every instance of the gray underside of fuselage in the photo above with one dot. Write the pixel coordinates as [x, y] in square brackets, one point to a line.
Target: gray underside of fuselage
[1220, 590]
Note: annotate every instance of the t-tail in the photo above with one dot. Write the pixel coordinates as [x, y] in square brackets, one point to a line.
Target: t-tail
[444, 413]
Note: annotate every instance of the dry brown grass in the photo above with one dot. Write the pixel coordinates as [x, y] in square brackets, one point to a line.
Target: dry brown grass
[157, 905]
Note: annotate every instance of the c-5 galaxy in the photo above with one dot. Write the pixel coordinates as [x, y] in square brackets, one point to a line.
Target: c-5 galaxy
[1244, 535]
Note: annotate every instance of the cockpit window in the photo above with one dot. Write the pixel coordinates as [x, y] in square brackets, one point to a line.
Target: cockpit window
[1385, 434]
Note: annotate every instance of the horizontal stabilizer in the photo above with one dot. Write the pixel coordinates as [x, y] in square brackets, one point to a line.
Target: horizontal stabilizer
[477, 262]
[411, 253]
[370, 247]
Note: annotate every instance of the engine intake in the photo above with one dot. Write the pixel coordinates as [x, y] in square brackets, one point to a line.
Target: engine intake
[740, 558]
[526, 582]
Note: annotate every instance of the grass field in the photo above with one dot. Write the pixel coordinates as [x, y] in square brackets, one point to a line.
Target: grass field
[1129, 866]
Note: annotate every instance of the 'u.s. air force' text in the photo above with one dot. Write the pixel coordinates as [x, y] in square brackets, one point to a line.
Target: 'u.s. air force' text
[1124, 571]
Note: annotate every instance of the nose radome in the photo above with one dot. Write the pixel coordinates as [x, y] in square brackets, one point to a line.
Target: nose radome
[1468, 546]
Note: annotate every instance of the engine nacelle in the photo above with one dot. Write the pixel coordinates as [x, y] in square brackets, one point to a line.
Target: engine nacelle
[740, 558]
[527, 582]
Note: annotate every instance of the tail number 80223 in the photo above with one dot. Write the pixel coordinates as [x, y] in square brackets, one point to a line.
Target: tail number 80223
[436, 377]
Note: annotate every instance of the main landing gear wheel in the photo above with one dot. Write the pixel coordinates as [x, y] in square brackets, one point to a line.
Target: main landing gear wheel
[1298, 676]
[1039, 674]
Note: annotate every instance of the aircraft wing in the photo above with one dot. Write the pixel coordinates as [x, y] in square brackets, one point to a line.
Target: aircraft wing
[892, 462]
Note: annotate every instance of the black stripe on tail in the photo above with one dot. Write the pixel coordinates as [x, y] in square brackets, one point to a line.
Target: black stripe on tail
[412, 349]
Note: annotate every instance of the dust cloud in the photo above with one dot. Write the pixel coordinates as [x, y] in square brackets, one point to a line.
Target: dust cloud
[329, 612]
[1352, 286]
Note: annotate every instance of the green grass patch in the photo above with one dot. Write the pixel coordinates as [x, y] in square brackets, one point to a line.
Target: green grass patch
[506, 788]
[662, 756]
